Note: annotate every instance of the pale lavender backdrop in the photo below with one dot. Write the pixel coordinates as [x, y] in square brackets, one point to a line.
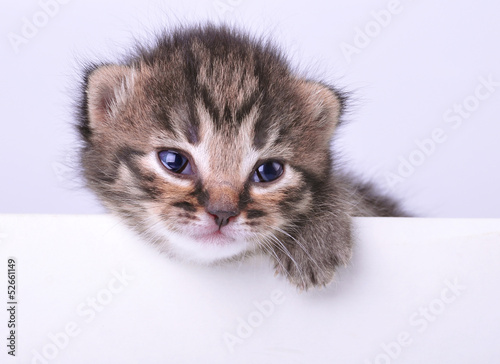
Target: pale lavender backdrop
[425, 76]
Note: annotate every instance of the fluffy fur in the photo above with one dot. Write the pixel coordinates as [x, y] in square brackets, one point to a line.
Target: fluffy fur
[228, 102]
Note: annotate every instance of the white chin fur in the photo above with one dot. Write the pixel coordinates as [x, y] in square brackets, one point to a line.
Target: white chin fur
[189, 249]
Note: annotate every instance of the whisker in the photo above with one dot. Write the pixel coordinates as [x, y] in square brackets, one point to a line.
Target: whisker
[267, 246]
[300, 245]
[287, 253]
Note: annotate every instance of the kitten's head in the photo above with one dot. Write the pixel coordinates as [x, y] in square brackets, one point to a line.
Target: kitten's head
[207, 143]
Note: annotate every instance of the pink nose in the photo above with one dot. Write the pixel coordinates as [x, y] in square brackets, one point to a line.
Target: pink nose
[222, 217]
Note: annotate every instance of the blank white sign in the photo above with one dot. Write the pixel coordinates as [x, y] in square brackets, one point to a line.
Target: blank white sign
[89, 291]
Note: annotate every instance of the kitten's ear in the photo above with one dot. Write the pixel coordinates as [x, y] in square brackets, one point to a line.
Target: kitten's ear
[107, 89]
[326, 106]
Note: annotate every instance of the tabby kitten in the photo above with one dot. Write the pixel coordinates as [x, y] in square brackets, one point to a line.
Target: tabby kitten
[209, 146]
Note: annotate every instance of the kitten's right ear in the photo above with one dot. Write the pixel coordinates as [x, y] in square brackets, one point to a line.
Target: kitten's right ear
[325, 106]
[107, 90]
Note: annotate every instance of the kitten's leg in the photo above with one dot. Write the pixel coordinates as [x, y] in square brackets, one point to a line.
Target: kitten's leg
[310, 255]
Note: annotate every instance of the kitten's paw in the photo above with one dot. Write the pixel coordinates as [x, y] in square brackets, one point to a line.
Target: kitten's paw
[305, 274]
[306, 271]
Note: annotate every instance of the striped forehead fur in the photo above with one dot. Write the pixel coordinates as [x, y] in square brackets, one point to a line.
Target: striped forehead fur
[228, 72]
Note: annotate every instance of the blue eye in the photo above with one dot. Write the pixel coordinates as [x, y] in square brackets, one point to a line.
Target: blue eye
[267, 172]
[175, 162]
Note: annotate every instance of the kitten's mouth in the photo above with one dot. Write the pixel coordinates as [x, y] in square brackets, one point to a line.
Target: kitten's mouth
[214, 237]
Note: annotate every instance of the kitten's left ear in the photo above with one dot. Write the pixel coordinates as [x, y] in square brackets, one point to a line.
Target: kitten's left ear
[107, 89]
[326, 106]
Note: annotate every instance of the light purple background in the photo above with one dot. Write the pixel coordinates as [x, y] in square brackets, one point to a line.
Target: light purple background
[428, 57]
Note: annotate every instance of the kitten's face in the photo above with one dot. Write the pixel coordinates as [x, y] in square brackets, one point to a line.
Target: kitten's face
[209, 150]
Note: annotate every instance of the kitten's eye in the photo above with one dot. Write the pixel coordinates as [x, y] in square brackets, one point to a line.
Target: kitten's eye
[268, 171]
[175, 162]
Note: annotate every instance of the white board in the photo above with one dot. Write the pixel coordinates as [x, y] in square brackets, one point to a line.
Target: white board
[88, 291]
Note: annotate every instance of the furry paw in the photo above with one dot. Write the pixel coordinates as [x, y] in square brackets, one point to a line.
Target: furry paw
[306, 271]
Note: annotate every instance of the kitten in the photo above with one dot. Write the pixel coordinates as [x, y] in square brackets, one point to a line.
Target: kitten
[209, 146]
